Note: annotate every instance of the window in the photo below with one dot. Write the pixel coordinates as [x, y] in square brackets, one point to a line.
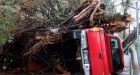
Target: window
[116, 52]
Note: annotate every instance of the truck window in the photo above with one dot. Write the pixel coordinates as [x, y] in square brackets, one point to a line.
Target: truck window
[116, 53]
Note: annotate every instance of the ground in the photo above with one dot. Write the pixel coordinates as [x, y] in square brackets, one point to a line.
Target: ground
[126, 70]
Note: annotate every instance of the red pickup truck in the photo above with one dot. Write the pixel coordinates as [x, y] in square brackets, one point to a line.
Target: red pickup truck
[90, 51]
[102, 53]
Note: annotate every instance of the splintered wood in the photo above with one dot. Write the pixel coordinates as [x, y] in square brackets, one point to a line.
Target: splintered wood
[89, 14]
[92, 14]
[53, 37]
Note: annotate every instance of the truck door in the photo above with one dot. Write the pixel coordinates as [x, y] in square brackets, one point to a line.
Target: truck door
[95, 51]
[114, 53]
[117, 53]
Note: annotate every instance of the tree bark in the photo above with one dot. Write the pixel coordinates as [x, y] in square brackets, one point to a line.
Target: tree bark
[129, 40]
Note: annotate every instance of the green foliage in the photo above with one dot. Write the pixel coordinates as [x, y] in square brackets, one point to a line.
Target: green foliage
[6, 22]
[59, 9]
